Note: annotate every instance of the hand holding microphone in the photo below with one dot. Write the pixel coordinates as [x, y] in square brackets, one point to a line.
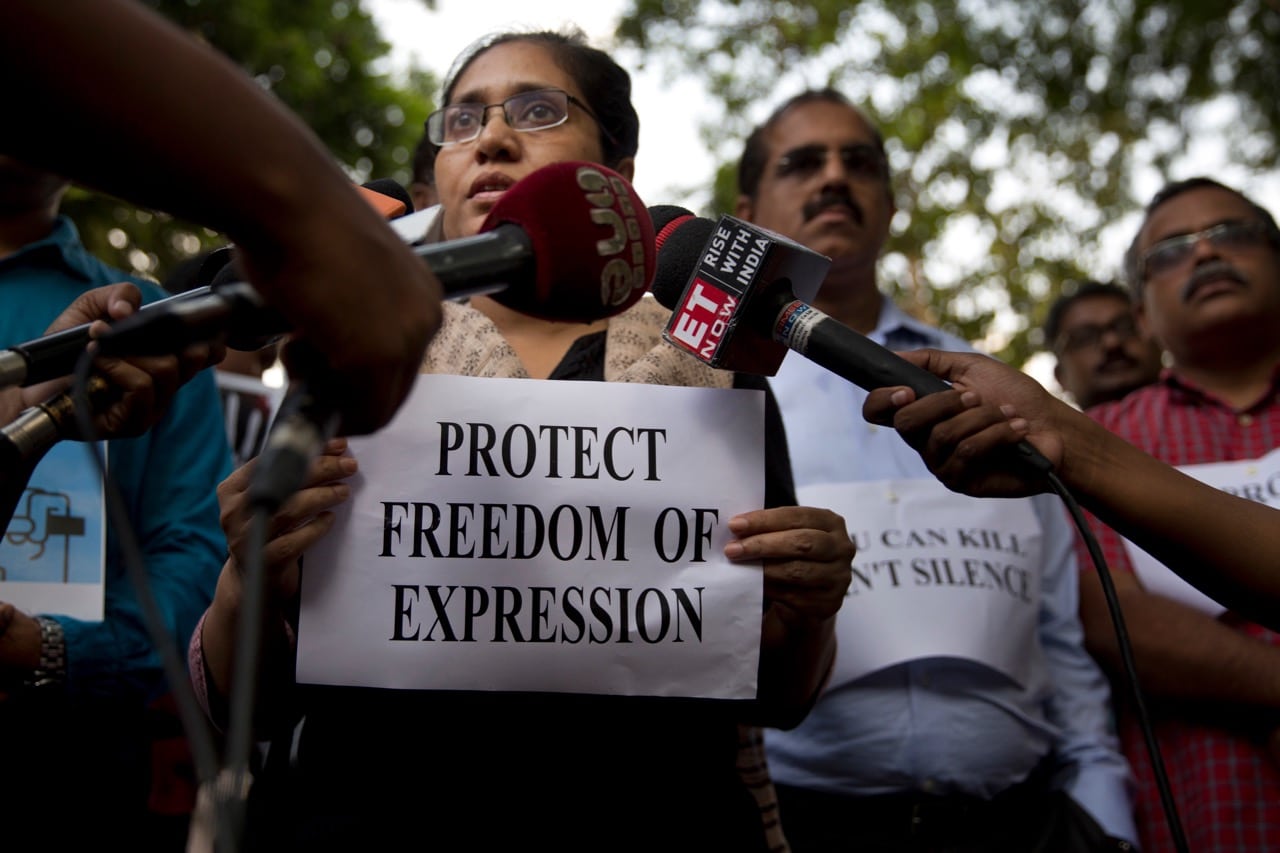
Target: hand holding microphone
[126, 396]
[989, 407]
[142, 387]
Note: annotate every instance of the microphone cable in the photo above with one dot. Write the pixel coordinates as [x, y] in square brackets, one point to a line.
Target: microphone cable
[194, 722]
[1126, 658]
[223, 791]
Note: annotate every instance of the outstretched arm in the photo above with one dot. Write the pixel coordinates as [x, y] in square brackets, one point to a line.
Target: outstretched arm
[176, 126]
[1223, 544]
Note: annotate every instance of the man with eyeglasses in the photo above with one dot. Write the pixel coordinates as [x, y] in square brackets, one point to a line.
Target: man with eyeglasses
[1093, 333]
[963, 712]
[1205, 270]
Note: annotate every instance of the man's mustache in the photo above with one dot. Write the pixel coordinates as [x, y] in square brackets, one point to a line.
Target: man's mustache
[836, 197]
[1211, 271]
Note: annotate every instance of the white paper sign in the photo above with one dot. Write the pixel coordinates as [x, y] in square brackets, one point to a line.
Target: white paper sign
[527, 535]
[936, 575]
[1254, 479]
[53, 554]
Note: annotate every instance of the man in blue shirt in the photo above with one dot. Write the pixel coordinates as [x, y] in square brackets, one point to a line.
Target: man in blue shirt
[75, 694]
[963, 712]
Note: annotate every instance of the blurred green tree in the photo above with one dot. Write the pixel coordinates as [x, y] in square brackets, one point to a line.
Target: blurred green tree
[319, 57]
[1016, 131]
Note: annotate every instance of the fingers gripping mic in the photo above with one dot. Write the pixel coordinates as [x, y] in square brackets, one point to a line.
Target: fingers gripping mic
[738, 310]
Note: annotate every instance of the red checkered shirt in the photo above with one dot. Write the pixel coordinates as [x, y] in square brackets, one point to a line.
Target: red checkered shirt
[1225, 784]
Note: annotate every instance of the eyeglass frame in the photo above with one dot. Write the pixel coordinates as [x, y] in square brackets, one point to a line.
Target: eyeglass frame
[786, 168]
[1185, 243]
[506, 116]
[1089, 335]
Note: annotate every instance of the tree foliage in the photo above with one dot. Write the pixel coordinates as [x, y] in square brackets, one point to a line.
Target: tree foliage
[1016, 131]
[321, 59]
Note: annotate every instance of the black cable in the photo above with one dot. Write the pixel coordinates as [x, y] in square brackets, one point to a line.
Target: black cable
[204, 754]
[1126, 658]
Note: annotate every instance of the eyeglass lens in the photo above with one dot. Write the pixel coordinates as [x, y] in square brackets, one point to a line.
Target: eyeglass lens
[537, 110]
[859, 160]
[1091, 335]
[1172, 253]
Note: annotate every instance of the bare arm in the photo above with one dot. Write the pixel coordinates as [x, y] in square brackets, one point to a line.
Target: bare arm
[1223, 544]
[1180, 653]
[176, 126]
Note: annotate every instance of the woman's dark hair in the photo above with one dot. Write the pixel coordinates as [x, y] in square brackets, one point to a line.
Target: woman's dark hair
[605, 85]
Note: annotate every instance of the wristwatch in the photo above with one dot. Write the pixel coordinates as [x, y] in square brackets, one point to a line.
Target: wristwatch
[52, 669]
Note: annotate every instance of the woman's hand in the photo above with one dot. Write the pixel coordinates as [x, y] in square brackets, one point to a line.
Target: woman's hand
[302, 520]
[807, 555]
[300, 523]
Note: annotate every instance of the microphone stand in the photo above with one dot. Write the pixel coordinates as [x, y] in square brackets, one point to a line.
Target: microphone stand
[301, 429]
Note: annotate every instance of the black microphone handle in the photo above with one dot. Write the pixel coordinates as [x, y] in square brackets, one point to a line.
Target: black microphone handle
[852, 356]
[467, 267]
[305, 422]
[482, 263]
[833, 345]
[45, 358]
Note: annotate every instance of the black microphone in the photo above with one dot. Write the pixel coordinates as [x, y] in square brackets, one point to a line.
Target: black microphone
[738, 309]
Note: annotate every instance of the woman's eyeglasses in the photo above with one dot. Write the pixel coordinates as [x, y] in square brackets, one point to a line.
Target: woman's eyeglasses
[541, 109]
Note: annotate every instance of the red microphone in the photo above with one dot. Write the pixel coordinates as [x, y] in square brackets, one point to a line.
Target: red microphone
[579, 241]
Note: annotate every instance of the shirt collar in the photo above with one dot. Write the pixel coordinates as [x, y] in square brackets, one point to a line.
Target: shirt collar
[904, 330]
[62, 245]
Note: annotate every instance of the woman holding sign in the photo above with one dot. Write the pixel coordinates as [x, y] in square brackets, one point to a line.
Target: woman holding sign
[494, 770]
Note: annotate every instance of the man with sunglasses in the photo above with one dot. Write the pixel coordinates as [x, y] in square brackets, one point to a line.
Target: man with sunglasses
[1102, 355]
[1205, 270]
[958, 716]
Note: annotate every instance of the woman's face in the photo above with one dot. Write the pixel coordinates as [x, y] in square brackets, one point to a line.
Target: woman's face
[472, 176]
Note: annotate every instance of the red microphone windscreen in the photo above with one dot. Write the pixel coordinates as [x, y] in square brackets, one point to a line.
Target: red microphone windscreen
[592, 240]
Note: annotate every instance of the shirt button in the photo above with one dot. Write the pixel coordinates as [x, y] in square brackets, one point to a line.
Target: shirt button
[1245, 420]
